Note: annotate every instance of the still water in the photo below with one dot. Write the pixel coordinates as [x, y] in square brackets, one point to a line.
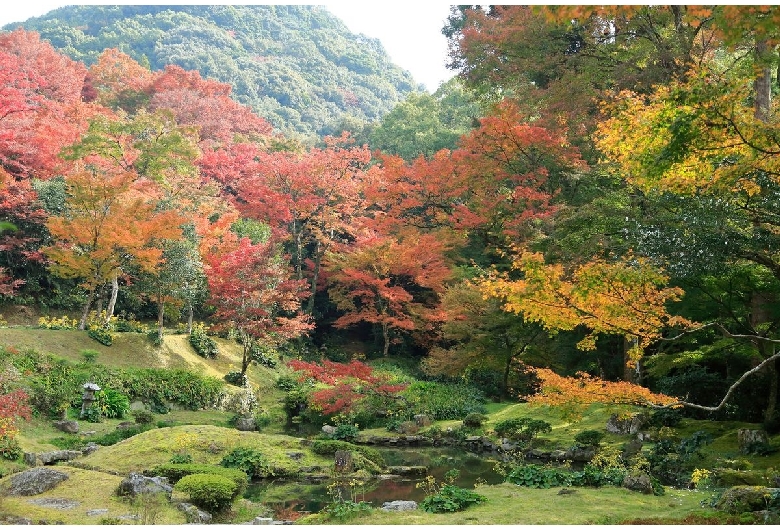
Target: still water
[306, 497]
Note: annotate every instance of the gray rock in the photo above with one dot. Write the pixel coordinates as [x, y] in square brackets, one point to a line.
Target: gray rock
[263, 520]
[50, 457]
[90, 448]
[580, 454]
[35, 481]
[98, 511]
[194, 514]
[749, 438]
[329, 429]
[136, 484]
[399, 506]
[68, 426]
[640, 482]
[558, 455]
[246, 424]
[59, 504]
[125, 425]
[31, 459]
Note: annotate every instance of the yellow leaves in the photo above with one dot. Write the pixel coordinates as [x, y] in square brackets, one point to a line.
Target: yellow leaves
[625, 297]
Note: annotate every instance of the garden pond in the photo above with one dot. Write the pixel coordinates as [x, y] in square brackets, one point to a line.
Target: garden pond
[306, 496]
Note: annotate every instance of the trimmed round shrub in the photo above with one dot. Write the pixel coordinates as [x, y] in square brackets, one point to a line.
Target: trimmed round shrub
[474, 420]
[589, 438]
[213, 493]
[175, 472]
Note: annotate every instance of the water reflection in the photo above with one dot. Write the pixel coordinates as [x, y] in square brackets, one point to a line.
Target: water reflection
[285, 496]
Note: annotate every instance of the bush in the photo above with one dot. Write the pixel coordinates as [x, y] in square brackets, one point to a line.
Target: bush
[443, 401]
[286, 383]
[92, 415]
[521, 429]
[589, 438]
[474, 420]
[451, 498]
[213, 493]
[102, 335]
[536, 476]
[10, 448]
[345, 431]
[236, 378]
[90, 356]
[203, 345]
[329, 448]
[143, 416]
[250, 461]
[175, 472]
[154, 337]
[112, 404]
[666, 418]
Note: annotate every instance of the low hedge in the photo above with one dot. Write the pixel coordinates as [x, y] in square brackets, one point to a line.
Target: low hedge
[212, 492]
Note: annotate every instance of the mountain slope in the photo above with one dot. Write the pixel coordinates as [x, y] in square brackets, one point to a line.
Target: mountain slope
[297, 66]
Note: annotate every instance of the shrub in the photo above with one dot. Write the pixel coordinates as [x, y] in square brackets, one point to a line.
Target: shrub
[143, 416]
[174, 472]
[329, 448]
[112, 404]
[345, 431]
[90, 356]
[154, 337]
[10, 448]
[536, 476]
[236, 378]
[474, 420]
[444, 401]
[250, 461]
[589, 438]
[451, 498]
[203, 345]
[521, 429]
[213, 493]
[181, 458]
[101, 334]
[92, 415]
[286, 383]
[666, 418]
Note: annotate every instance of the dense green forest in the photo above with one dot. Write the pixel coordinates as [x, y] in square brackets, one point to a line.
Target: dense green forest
[588, 212]
[297, 66]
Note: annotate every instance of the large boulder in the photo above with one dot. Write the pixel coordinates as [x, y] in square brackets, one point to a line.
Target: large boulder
[35, 481]
[67, 426]
[750, 439]
[741, 499]
[245, 423]
[137, 484]
[399, 506]
[193, 514]
[640, 482]
[51, 457]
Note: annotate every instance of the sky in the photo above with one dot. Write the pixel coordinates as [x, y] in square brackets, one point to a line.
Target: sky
[409, 31]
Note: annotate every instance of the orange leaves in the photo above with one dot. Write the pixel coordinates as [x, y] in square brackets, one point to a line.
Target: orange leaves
[625, 298]
[584, 389]
[111, 218]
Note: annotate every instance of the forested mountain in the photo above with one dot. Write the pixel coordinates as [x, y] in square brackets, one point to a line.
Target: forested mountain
[297, 66]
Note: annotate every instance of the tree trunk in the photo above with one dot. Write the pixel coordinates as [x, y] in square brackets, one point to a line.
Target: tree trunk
[85, 311]
[160, 317]
[314, 279]
[771, 405]
[190, 317]
[386, 337]
[762, 84]
[629, 372]
[112, 300]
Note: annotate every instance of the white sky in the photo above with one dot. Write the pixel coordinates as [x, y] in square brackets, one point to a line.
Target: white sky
[409, 31]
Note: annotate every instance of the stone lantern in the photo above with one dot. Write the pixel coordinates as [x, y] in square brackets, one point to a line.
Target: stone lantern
[88, 397]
